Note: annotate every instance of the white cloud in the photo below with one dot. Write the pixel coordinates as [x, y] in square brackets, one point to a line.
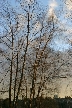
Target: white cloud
[52, 6]
[60, 43]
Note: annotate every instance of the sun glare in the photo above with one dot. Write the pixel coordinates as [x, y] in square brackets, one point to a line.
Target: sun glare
[52, 6]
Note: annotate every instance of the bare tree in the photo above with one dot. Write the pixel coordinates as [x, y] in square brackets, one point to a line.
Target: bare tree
[32, 65]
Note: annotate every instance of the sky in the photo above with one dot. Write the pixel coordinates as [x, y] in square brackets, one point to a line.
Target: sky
[58, 43]
[43, 2]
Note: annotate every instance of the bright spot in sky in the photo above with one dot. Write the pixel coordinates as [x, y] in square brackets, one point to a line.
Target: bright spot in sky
[58, 44]
[52, 6]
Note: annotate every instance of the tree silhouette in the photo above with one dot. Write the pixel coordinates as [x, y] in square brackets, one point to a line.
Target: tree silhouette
[26, 57]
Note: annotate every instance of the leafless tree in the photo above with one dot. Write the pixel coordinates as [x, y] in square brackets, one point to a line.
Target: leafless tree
[33, 67]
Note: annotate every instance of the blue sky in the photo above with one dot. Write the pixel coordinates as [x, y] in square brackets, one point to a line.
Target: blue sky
[57, 43]
[43, 2]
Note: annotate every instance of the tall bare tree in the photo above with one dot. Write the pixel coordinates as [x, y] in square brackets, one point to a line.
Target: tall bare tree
[33, 67]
